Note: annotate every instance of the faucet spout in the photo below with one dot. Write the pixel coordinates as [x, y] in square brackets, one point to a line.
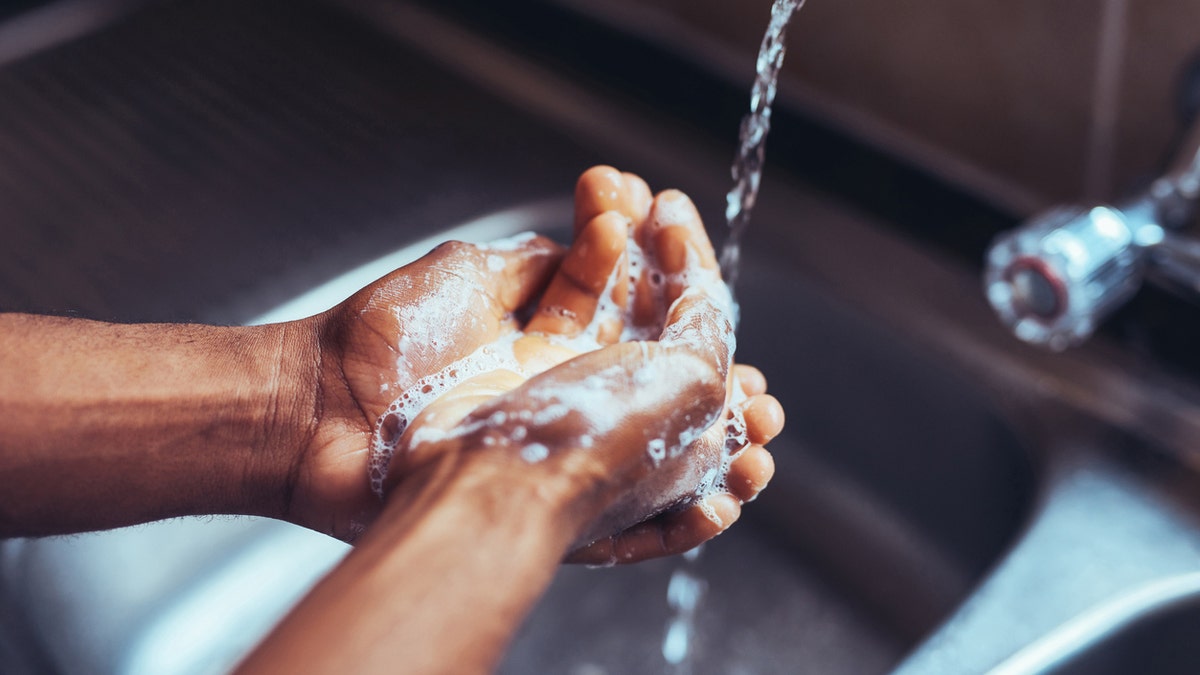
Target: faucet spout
[1053, 280]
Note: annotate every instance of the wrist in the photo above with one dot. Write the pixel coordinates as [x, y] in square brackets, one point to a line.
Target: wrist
[497, 488]
[314, 470]
[289, 406]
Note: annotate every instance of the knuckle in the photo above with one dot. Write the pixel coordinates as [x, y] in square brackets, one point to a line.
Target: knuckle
[454, 249]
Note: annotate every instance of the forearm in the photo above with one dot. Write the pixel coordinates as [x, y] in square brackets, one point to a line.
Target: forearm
[441, 581]
[111, 424]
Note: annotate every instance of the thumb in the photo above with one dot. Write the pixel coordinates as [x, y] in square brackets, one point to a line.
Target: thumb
[516, 270]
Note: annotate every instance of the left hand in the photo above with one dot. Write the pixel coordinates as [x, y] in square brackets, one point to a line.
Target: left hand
[407, 325]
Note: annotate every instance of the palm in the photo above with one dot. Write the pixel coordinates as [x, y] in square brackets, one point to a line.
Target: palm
[383, 340]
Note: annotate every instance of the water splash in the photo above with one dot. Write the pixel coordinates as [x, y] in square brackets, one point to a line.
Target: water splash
[748, 163]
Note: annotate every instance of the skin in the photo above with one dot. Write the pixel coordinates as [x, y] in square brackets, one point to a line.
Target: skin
[108, 425]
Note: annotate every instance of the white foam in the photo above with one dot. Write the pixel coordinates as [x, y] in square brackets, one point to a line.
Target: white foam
[709, 512]
[430, 323]
[551, 413]
[657, 449]
[412, 401]
[534, 453]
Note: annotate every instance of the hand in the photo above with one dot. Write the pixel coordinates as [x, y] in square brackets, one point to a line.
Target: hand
[641, 425]
[406, 326]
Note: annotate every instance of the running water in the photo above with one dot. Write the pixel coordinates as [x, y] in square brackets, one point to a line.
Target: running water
[685, 592]
[748, 163]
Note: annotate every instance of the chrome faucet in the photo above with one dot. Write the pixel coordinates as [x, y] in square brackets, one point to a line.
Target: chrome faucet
[1055, 278]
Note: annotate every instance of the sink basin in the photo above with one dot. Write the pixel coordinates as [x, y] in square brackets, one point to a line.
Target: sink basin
[1160, 639]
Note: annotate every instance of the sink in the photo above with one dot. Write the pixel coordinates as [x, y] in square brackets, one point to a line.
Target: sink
[1160, 639]
[947, 501]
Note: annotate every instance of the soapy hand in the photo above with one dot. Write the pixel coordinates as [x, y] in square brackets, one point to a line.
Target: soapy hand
[622, 379]
[382, 341]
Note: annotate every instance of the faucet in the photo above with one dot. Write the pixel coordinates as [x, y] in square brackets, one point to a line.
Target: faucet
[1056, 277]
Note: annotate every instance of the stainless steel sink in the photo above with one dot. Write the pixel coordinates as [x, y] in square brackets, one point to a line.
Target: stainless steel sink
[1161, 641]
[947, 500]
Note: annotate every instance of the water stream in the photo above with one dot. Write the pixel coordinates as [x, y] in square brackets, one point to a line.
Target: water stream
[685, 591]
[752, 139]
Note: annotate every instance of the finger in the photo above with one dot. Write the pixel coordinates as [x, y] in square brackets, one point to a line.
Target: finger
[579, 288]
[407, 309]
[750, 472]
[483, 283]
[751, 379]
[667, 534]
[647, 306]
[764, 418]
[536, 354]
[639, 198]
[678, 236]
[601, 189]
[696, 323]
[515, 273]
